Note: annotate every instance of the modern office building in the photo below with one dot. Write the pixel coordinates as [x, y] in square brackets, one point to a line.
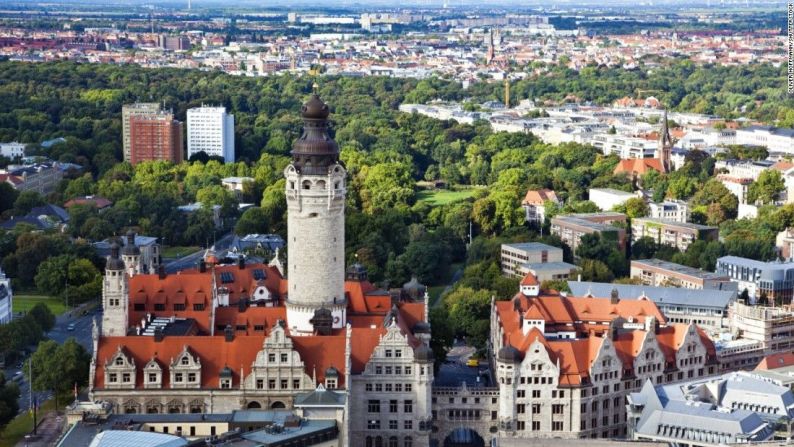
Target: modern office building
[735, 408]
[210, 130]
[773, 280]
[609, 225]
[173, 43]
[656, 272]
[675, 234]
[155, 137]
[515, 255]
[608, 198]
[129, 110]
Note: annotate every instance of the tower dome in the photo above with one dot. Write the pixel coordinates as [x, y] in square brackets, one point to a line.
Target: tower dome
[114, 261]
[130, 249]
[315, 150]
[423, 353]
[414, 289]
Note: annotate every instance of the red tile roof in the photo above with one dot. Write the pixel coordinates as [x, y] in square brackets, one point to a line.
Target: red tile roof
[539, 197]
[775, 361]
[638, 166]
[529, 280]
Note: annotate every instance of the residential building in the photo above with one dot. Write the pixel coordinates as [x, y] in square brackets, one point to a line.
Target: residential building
[672, 210]
[42, 178]
[706, 308]
[623, 146]
[743, 168]
[656, 272]
[607, 199]
[128, 110]
[155, 137]
[736, 185]
[6, 299]
[570, 228]
[236, 184]
[675, 234]
[12, 150]
[210, 130]
[534, 204]
[226, 337]
[772, 280]
[784, 242]
[173, 43]
[735, 408]
[564, 365]
[515, 255]
[777, 140]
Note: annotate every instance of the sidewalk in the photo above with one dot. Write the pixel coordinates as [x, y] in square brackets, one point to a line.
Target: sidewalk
[49, 430]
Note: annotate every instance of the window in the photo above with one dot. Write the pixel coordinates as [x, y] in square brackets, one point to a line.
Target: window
[556, 425]
[393, 425]
[296, 384]
[112, 378]
[535, 408]
[520, 425]
[556, 409]
[378, 370]
[260, 384]
[536, 394]
[119, 361]
[520, 408]
[521, 393]
[387, 353]
[226, 384]
[398, 353]
[408, 406]
[178, 377]
[388, 370]
[408, 370]
[408, 387]
[271, 384]
[373, 406]
[159, 306]
[392, 406]
[398, 370]
[271, 358]
[191, 377]
[178, 307]
[284, 384]
[408, 425]
[198, 307]
[283, 358]
[408, 442]
[152, 377]
[535, 425]
[378, 387]
[387, 388]
[368, 387]
[393, 439]
[398, 387]
[185, 361]
[373, 424]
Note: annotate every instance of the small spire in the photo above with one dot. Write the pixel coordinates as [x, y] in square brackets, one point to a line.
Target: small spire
[315, 88]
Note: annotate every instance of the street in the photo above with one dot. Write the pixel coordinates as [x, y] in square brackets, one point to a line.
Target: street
[59, 333]
[454, 370]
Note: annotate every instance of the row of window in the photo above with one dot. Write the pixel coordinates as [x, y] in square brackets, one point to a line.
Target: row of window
[377, 441]
[389, 387]
[374, 424]
[141, 307]
[373, 406]
[396, 370]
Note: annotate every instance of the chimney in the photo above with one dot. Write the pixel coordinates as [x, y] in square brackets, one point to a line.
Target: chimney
[161, 272]
[158, 334]
[614, 297]
[228, 333]
[242, 304]
[241, 262]
[202, 266]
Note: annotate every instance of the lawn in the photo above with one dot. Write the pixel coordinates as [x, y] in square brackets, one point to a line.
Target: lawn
[22, 425]
[23, 303]
[177, 251]
[438, 197]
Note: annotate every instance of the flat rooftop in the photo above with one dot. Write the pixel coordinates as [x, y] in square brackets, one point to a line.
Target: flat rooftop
[678, 268]
[531, 246]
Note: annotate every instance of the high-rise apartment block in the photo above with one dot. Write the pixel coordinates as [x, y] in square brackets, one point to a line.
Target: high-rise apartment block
[129, 110]
[155, 137]
[210, 130]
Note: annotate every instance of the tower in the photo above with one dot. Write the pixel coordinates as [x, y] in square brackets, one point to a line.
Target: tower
[115, 296]
[315, 193]
[131, 255]
[665, 145]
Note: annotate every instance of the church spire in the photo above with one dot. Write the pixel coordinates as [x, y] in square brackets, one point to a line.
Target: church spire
[665, 144]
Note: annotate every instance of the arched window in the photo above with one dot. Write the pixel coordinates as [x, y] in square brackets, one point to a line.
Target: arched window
[254, 405]
[378, 441]
[393, 441]
[321, 184]
[307, 184]
[277, 404]
[369, 441]
[408, 442]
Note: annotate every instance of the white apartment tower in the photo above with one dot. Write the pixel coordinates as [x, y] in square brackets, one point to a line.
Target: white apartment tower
[210, 129]
[315, 224]
[114, 295]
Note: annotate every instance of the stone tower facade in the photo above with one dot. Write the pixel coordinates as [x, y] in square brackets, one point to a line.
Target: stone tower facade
[115, 296]
[131, 255]
[315, 193]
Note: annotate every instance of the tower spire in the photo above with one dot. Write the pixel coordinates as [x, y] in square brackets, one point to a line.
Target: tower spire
[665, 144]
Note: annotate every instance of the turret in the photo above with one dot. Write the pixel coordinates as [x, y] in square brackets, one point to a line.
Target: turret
[115, 295]
[131, 254]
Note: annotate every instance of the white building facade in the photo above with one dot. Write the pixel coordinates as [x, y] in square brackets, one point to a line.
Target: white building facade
[211, 130]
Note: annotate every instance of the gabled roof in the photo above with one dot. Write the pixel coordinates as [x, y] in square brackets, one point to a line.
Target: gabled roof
[529, 280]
[775, 361]
[539, 197]
[638, 166]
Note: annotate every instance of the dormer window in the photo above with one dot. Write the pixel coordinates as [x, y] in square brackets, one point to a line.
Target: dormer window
[330, 384]
[152, 378]
[226, 384]
[119, 361]
[185, 361]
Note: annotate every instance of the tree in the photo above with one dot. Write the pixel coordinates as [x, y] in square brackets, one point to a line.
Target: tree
[26, 201]
[253, 220]
[58, 368]
[767, 188]
[469, 313]
[9, 400]
[43, 316]
[82, 277]
[443, 333]
[595, 270]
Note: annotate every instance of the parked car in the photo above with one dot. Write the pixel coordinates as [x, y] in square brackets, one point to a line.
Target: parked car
[70, 327]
